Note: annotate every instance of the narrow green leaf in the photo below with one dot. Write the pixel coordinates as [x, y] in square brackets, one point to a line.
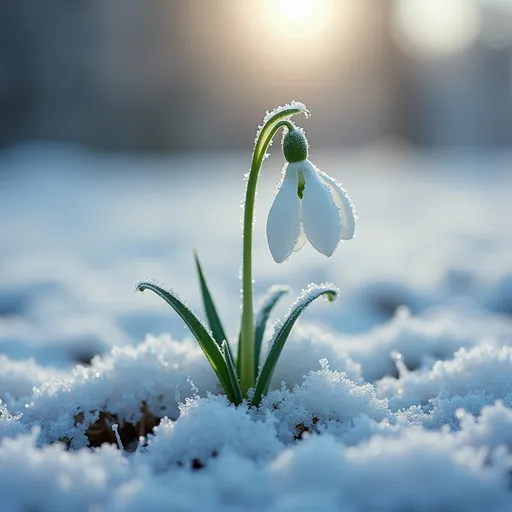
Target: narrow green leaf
[209, 308]
[239, 353]
[273, 295]
[203, 337]
[235, 382]
[281, 335]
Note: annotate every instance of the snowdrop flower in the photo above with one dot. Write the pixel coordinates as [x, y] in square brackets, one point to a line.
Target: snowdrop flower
[308, 204]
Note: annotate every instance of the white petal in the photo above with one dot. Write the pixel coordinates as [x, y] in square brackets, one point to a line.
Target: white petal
[319, 212]
[345, 207]
[283, 223]
[301, 240]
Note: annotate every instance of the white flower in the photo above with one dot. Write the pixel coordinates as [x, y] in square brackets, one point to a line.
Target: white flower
[308, 204]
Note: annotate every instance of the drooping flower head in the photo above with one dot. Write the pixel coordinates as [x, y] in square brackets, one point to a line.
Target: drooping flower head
[309, 204]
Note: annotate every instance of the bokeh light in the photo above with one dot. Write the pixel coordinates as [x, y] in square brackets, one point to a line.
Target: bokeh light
[497, 23]
[430, 28]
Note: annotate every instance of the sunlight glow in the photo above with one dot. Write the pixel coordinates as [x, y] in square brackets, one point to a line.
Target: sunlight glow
[317, 31]
[299, 19]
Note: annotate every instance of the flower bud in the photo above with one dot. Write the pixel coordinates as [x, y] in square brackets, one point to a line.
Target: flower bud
[295, 146]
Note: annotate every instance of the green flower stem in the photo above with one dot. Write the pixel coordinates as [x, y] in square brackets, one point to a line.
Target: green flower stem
[246, 352]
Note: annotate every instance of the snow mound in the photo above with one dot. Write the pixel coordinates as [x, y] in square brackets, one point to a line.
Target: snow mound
[186, 441]
[151, 378]
[486, 369]
[421, 340]
[342, 402]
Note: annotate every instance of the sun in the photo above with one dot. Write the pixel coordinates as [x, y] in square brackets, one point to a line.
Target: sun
[298, 19]
[299, 39]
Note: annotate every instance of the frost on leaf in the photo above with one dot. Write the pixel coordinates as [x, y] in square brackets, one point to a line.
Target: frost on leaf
[330, 292]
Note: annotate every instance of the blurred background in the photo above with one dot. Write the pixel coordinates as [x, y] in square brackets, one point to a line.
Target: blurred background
[126, 127]
[171, 75]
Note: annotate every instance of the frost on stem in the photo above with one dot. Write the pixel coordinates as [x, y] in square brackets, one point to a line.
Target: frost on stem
[115, 429]
[270, 114]
[292, 105]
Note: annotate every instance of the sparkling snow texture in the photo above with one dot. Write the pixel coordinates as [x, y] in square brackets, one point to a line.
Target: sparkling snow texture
[396, 397]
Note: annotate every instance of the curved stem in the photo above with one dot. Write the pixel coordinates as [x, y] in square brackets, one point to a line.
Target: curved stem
[246, 349]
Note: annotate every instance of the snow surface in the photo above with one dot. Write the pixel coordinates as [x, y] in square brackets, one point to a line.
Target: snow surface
[396, 397]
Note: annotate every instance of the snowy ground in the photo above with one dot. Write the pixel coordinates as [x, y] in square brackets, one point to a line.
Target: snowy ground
[396, 397]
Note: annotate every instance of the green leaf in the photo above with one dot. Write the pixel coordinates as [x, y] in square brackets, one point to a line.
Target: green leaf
[235, 382]
[281, 335]
[203, 337]
[239, 353]
[209, 308]
[273, 295]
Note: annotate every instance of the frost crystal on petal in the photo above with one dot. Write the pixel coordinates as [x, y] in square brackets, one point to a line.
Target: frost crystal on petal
[344, 204]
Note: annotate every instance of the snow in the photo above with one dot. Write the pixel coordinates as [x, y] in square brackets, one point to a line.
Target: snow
[396, 397]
